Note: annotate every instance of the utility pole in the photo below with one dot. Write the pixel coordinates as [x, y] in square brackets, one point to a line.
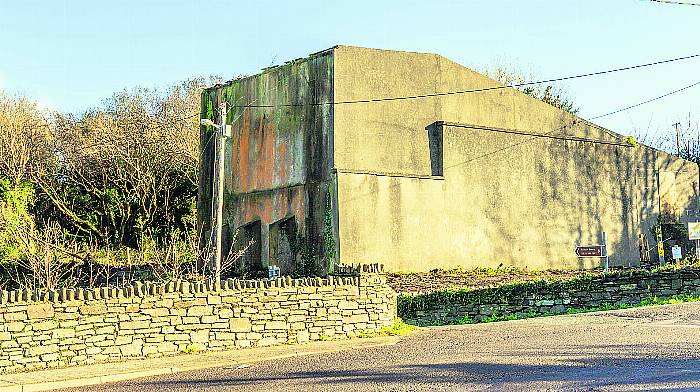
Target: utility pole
[221, 132]
[678, 138]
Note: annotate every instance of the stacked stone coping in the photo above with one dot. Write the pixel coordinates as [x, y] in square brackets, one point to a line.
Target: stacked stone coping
[42, 329]
[533, 298]
[142, 289]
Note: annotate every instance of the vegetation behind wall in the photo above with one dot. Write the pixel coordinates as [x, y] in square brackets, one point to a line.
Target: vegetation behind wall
[114, 185]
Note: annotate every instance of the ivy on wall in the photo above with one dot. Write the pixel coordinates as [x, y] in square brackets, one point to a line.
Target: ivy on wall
[328, 236]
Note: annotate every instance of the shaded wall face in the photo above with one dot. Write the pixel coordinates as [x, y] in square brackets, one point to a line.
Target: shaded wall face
[678, 189]
[677, 202]
[504, 198]
[277, 154]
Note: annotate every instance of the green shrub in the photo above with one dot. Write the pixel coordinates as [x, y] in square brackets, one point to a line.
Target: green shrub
[398, 328]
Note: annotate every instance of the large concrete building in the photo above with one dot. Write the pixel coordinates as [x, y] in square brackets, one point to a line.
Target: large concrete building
[329, 163]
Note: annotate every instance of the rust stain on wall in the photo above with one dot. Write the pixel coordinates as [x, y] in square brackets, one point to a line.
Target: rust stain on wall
[266, 164]
[260, 157]
[271, 206]
[273, 162]
[283, 164]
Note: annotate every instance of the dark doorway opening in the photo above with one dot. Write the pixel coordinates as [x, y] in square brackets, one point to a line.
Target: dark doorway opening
[250, 262]
[283, 239]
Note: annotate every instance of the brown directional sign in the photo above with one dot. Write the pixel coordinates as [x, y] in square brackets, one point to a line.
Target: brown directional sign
[589, 251]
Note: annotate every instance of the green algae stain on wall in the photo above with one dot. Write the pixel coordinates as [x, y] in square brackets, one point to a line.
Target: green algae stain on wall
[276, 158]
[204, 192]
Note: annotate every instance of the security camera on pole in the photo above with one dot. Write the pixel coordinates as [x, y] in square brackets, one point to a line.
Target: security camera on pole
[222, 132]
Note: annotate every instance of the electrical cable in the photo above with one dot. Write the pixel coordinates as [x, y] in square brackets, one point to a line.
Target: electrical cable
[574, 122]
[675, 2]
[645, 102]
[501, 87]
[515, 85]
[548, 135]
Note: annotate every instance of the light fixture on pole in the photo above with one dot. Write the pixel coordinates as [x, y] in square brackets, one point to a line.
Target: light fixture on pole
[208, 123]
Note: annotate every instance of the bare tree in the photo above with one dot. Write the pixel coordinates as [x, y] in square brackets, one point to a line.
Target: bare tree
[552, 94]
[131, 165]
[25, 139]
[110, 185]
[686, 140]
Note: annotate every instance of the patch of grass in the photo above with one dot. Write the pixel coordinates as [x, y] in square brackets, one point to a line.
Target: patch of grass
[495, 318]
[365, 333]
[602, 308]
[399, 328]
[191, 348]
[652, 301]
[687, 262]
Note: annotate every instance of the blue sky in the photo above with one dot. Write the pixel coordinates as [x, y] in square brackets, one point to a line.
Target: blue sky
[69, 55]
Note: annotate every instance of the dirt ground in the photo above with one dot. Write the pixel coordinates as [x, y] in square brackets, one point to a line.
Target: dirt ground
[436, 280]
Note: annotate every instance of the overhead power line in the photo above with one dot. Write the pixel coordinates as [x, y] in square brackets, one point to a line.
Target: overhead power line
[516, 85]
[458, 92]
[646, 102]
[675, 2]
[548, 135]
[574, 122]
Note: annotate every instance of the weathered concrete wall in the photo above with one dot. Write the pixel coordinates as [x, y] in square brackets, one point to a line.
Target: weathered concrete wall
[503, 198]
[279, 160]
[73, 327]
[358, 182]
[538, 298]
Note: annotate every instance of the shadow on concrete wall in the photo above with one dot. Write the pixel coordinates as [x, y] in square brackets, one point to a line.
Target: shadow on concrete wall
[623, 178]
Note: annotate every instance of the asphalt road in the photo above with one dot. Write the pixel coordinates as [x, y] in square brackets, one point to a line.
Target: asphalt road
[642, 349]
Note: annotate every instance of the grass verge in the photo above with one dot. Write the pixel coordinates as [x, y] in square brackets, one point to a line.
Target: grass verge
[399, 328]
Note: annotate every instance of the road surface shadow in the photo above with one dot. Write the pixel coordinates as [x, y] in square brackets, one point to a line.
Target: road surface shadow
[633, 374]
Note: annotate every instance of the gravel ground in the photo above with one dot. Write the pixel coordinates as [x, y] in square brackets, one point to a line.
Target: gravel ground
[643, 349]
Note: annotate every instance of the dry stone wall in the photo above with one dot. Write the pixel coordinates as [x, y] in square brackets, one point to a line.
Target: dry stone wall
[556, 297]
[82, 326]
